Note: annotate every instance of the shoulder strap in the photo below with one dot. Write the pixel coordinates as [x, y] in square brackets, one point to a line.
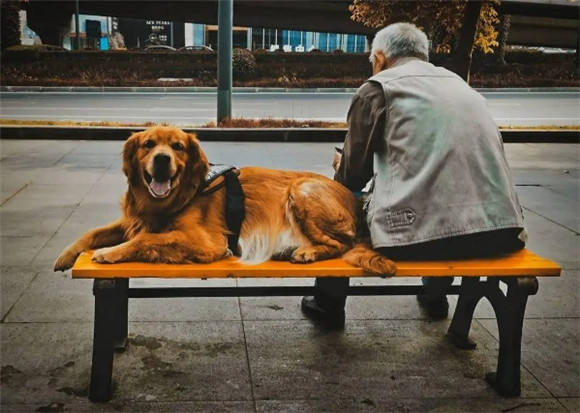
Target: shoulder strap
[235, 209]
[215, 171]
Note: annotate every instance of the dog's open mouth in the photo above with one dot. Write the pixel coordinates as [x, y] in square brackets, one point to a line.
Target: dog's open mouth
[158, 188]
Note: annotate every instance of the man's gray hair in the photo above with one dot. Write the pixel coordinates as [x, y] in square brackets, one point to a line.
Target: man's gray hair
[401, 40]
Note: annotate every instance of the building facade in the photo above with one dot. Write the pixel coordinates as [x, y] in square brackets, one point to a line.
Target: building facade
[141, 33]
[104, 33]
[272, 39]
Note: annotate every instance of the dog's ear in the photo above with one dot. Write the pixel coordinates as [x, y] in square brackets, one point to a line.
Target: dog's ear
[129, 152]
[198, 165]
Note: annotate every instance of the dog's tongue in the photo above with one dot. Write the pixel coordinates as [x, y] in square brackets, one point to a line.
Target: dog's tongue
[160, 188]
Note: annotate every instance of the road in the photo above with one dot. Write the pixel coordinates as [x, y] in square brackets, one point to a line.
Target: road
[513, 108]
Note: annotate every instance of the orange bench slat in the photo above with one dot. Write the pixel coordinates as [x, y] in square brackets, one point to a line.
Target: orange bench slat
[522, 263]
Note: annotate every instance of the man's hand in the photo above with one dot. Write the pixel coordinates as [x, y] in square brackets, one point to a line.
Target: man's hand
[336, 161]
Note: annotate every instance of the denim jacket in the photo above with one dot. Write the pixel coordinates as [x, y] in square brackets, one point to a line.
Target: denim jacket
[440, 168]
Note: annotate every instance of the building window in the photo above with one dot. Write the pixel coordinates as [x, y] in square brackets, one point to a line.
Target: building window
[355, 43]
[199, 34]
[332, 42]
[308, 40]
[296, 38]
[361, 43]
[322, 42]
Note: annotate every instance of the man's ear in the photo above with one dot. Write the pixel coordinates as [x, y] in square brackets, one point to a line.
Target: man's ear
[129, 164]
[198, 165]
[381, 62]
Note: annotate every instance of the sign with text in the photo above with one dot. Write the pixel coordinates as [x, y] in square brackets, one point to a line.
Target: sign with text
[160, 31]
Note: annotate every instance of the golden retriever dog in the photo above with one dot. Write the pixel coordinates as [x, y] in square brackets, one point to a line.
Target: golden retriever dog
[169, 216]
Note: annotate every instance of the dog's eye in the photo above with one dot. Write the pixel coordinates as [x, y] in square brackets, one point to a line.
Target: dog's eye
[178, 146]
[149, 144]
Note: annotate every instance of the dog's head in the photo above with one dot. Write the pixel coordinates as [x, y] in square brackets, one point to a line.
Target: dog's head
[164, 161]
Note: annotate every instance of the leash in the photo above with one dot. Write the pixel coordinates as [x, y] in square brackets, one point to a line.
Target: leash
[235, 210]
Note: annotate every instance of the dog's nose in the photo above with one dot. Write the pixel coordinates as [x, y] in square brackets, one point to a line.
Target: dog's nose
[161, 161]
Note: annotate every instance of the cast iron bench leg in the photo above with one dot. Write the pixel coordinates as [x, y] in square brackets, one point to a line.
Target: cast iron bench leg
[509, 310]
[110, 326]
[470, 294]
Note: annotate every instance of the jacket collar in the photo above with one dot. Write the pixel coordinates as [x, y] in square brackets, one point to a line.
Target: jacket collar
[403, 60]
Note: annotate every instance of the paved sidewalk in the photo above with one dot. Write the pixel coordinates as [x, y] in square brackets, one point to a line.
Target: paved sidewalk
[260, 354]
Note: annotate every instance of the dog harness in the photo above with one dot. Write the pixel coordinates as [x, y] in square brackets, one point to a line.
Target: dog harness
[235, 210]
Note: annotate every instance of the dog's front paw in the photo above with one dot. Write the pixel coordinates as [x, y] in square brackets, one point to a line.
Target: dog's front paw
[66, 259]
[106, 256]
[304, 255]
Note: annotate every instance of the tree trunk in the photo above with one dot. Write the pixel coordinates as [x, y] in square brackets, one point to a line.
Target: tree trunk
[461, 62]
[502, 35]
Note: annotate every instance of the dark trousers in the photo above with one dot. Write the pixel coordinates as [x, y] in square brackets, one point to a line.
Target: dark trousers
[331, 292]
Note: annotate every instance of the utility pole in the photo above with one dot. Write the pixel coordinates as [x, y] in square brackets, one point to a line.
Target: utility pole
[77, 29]
[225, 38]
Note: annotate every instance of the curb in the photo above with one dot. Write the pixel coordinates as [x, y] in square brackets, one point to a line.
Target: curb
[252, 135]
[195, 89]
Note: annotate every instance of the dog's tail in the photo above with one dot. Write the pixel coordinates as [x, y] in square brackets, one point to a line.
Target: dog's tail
[364, 257]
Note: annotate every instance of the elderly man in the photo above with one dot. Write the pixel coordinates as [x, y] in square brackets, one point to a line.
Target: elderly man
[440, 184]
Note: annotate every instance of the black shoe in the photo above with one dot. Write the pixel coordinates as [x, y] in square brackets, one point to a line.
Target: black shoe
[436, 308]
[330, 319]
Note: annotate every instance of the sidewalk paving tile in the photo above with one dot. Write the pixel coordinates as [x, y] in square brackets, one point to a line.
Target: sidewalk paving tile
[551, 205]
[14, 280]
[550, 352]
[571, 403]
[565, 182]
[11, 188]
[552, 240]
[21, 250]
[38, 359]
[54, 298]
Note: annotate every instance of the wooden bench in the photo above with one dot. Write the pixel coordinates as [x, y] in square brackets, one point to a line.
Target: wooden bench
[480, 278]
